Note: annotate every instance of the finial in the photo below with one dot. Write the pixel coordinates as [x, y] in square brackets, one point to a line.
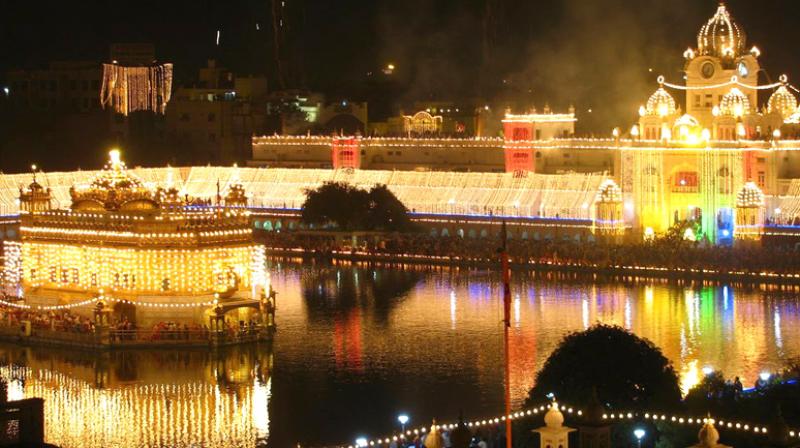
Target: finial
[114, 159]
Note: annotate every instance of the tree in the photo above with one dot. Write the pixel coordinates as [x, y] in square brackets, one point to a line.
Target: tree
[351, 208]
[336, 203]
[386, 211]
[629, 372]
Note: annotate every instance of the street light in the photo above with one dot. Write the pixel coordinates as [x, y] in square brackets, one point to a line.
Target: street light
[639, 433]
[361, 442]
[708, 370]
[403, 419]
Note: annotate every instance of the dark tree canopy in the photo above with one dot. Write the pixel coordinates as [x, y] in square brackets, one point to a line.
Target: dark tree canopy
[351, 208]
[629, 372]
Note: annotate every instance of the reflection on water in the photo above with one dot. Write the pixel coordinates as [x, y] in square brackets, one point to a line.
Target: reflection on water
[151, 398]
[357, 346]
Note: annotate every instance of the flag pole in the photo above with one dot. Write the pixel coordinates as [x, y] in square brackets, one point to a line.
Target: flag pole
[506, 326]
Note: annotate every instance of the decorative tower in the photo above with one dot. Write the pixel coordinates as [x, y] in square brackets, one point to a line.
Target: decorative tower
[518, 132]
[36, 198]
[750, 213]
[345, 152]
[236, 196]
[554, 434]
[608, 210]
[720, 57]
[655, 119]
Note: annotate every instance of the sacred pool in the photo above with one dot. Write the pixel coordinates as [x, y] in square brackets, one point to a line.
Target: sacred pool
[355, 346]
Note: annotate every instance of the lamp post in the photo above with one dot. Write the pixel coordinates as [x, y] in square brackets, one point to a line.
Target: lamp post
[639, 433]
[403, 419]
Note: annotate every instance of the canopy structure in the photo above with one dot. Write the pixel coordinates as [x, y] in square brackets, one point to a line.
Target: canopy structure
[499, 194]
[130, 89]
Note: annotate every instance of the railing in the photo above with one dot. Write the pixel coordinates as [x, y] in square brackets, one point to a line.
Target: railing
[100, 337]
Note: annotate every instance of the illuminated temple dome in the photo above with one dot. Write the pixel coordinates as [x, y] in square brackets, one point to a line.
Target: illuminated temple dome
[721, 36]
[782, 102]
[124, 241]
[735, 103]
[114, 188]
[661, 103]
[750, 196]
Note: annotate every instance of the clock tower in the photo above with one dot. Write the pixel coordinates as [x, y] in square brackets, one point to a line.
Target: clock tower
[720, 56]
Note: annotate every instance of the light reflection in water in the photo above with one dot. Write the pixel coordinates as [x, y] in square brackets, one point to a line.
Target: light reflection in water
[145, 399]
[356, 346]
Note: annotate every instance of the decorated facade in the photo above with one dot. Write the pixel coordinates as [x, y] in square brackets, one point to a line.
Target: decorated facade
[152, 253]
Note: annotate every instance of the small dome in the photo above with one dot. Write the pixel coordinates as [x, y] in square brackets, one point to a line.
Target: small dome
[721, 36]
[750, 196]
[782, 102]
[434, 439]
[708, 435]
[661, 103]
[609, 192]
[35, 186]
[554, 418]
[735, 103]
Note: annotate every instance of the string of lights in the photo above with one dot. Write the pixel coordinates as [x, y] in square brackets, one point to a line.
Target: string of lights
[93, 300]
[470, 424]
[733, 82]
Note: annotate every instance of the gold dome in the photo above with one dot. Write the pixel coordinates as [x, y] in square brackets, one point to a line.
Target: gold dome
[782, 102]
[554, 418]
[735, 103]
[661, 103]
[721, 36]
[708, 436]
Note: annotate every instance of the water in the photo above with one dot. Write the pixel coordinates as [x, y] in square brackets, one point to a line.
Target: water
[357, 346]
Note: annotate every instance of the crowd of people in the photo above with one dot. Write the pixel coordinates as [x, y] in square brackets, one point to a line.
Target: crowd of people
[120, 328]
[658, 253]
[61, 321]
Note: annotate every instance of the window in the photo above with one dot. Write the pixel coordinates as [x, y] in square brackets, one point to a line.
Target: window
[84, 85]
[685, 182]
[709, 98]
[212, 137]
[762, 179]
[697, 101]
[212, 117]
[73, 85]
[185, 117]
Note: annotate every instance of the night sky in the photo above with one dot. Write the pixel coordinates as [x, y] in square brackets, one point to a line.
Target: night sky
[591, 53]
